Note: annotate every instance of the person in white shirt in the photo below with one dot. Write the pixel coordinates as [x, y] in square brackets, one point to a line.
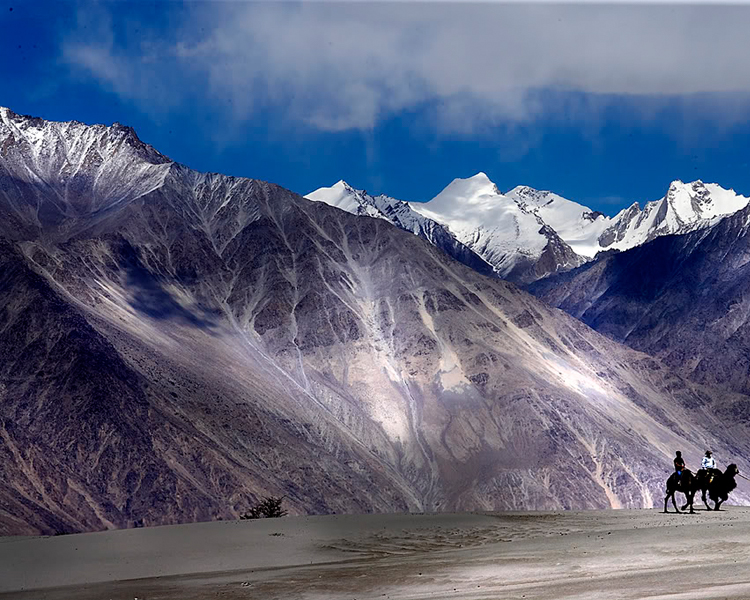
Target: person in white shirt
[708, 461]
[708, 470]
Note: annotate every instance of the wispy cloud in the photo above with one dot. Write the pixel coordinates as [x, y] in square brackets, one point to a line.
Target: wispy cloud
[146, 70]
[339, 66]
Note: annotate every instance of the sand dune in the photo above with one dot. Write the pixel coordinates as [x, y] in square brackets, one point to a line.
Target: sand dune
[596, 554]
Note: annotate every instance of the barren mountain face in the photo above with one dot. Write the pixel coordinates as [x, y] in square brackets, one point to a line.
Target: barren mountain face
[680, 298]
[176, 344]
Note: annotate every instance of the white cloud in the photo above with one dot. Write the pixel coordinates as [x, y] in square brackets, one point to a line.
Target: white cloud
[339, 66]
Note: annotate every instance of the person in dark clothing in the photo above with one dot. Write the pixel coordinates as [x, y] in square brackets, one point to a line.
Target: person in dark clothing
[679, 464]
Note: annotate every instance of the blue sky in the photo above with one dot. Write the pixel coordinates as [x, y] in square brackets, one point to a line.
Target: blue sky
[603, 104]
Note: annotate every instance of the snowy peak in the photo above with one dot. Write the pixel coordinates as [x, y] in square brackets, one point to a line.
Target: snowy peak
[472, 187]
[73, 137]
[577, 225]
[685, 207]
[477, 193]
[529, 196]
[466, 205]
[688, 202]
[480, 183]
[507, 231]
[343, 196]
[359, 202]
[694, 201]
[402, 215]
[535, 200]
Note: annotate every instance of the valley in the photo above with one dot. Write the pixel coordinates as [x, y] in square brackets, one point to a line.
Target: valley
[176, 345]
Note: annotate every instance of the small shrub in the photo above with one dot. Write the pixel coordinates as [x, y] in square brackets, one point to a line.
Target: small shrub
[268, 508]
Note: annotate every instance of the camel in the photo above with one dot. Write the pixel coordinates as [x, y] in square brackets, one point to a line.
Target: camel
[722, 484]
[687, 484]
[717, 484]
[703, 480]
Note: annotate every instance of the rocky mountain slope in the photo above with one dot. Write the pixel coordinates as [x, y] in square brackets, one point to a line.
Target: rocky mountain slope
[682, 298]
[527, 234]
[176, 344]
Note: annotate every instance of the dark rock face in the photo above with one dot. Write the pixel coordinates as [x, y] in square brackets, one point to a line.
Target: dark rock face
[178, 344]
[556, 257]
[679, 298]
[74, 416]
[617, 232]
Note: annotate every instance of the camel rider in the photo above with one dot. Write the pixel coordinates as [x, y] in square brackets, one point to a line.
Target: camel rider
[708, 461]
[708, 464]
[679, 464]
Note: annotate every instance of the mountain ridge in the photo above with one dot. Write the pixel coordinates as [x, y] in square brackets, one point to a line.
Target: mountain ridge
[279, 346]
[527, 234]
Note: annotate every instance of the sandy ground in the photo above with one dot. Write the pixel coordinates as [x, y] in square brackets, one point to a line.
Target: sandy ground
[583, 555]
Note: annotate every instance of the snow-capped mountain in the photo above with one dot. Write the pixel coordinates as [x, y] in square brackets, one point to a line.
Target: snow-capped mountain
[402, 215]
[684, 299]
[577, 225]
[686, 207]
[527, 234]
[503, 233]
[506, 233]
